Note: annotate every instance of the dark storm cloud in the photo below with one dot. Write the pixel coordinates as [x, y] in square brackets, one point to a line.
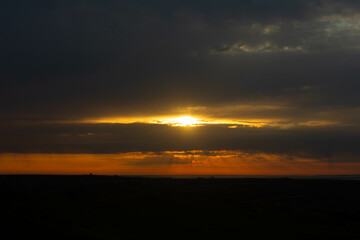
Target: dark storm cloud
[75, 59]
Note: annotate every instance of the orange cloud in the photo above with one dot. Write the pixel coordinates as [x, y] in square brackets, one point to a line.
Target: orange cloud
[173, 163]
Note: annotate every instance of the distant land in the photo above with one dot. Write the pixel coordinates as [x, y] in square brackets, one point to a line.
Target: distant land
[175, 207]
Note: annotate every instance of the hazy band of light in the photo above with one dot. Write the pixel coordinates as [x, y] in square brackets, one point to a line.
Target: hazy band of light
[201, 121]
[174, 121]
[173, 163]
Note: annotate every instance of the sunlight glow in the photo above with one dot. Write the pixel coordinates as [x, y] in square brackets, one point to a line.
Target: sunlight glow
[185, 121]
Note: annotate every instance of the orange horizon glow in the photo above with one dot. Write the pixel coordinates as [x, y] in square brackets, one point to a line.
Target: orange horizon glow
[172, 163]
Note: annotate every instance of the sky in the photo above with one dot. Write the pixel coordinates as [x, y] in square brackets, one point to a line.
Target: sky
[127, 87]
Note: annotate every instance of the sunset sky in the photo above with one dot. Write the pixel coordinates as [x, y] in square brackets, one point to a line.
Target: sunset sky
[248, 87]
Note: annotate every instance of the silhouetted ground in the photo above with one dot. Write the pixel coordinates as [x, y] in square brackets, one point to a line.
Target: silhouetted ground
[104, 207]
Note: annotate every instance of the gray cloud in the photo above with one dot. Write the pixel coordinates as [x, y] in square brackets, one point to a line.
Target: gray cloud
[316, 142]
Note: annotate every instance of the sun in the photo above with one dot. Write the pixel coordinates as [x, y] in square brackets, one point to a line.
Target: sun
[185, 121]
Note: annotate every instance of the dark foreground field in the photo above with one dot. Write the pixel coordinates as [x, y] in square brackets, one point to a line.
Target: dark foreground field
[101, 207]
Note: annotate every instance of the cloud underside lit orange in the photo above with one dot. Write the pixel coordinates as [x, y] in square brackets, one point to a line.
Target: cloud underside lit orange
[174, 163]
